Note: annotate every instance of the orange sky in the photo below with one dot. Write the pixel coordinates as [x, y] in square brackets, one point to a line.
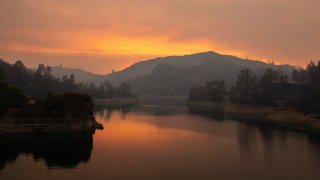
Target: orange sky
[101, 35]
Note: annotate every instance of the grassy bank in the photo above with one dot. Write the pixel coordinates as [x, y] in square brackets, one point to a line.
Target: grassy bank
[281, 117]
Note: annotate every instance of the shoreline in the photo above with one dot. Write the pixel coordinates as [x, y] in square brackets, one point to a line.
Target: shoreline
[279, 117]
[12, 125]
[116, 101]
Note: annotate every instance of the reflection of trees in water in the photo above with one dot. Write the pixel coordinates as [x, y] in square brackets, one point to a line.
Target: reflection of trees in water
[246, 138]
[160, 110]
[215, 113]
[267, 139]
[314, 141]
[56, 150]
[251, 137]
[254, 138]
[105, 112]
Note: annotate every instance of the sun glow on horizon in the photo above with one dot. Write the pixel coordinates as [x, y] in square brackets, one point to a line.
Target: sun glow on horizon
[154, 46]
[134, 49]
[138, 49]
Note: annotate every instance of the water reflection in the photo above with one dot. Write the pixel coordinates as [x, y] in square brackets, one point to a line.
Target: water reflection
[56, 150]
[188, 146]
[252, 138]
[256, 136]
[217, 114]
[154, 142]
[195, 121]
[105, 112]
[272, 143]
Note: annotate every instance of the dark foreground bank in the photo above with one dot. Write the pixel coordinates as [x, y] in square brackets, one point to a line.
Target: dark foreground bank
[68, 112]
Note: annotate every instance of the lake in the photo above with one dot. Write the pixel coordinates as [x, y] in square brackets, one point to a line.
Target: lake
[163, 142]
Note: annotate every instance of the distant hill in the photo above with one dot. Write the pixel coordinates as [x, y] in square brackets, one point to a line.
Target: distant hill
[80, 75]
[143, 68]
[176, 75]
[57, 71]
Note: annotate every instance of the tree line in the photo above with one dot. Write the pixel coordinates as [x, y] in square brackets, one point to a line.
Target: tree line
[19, 84]
[300, 91]
[10, 97]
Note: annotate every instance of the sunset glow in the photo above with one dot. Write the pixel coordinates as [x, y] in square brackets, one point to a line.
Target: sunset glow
[160, 89]
[112, 35]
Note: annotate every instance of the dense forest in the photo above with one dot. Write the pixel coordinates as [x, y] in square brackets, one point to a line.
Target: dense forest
[19, 84]
[10, 97]
[273, 88]
[39, 83]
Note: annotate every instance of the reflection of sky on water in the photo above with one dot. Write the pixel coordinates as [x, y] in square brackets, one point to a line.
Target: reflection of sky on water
[152, 142]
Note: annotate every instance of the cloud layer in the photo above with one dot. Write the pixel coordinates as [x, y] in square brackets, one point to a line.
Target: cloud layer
[101, 35]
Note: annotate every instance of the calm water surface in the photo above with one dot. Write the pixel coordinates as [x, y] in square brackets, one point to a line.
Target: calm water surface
[151, 142]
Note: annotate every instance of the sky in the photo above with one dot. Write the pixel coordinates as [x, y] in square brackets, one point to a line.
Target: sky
[104, 35]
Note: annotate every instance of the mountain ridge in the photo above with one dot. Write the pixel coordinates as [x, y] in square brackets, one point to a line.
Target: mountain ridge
[145, 67]
[80, 74]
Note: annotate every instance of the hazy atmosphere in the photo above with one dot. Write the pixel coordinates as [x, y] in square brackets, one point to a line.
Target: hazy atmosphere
[160, 90]
[102, 35]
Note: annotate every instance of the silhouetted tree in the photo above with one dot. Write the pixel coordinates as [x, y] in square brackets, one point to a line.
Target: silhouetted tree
[72, 80]
[269, 77]
[11, 97]
[107, 89]
[124, 90]
[216, 90]
[44, 71]
[1, 76]
[300, 76]
[199, 94]
[314, 71]
[245, 86]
